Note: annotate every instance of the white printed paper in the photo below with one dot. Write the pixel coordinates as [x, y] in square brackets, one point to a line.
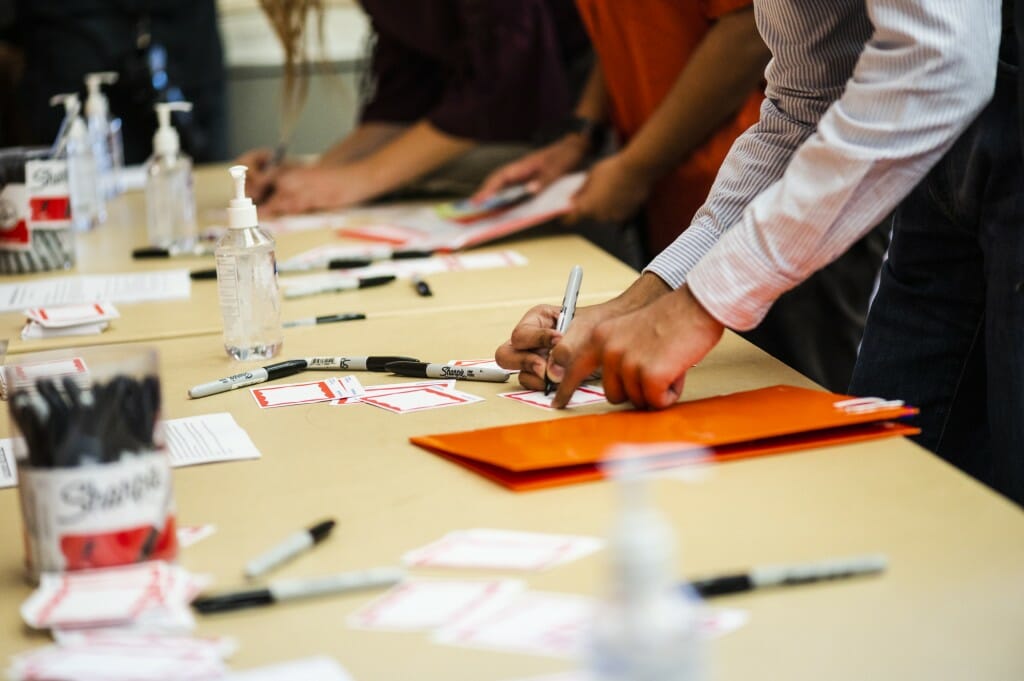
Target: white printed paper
[94, 288]
[419, 604]
[584, 395]
[502, 550]
[8, 466]
[207, 439]
[109, 596]
[534, 623]
[309, 392]
[72, 315]
[308, 669]
[193, 534]
[109, 655]
[390, 388]
[554, 624]
[36, 331]
[420, 399]
[423, 228]
[480, 363]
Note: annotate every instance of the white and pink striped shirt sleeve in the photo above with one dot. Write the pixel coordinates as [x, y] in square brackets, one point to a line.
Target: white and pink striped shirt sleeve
[863, 98]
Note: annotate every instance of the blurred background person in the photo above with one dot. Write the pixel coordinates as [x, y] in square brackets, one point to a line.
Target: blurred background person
[455, 89]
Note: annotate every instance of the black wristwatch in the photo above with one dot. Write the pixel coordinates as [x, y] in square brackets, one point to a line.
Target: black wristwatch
[595, 132]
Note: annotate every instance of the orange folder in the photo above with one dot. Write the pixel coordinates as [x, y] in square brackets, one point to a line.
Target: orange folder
[771, 420]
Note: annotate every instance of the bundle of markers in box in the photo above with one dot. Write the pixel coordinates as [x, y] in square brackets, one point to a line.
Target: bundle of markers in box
[95, 485]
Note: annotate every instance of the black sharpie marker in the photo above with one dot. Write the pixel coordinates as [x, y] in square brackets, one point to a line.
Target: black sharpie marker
[241, 380]
[789, 575]
[425, 370]
[379, 363]
[294, 589]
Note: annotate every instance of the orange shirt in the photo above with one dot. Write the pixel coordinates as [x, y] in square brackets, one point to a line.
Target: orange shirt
[643, 46]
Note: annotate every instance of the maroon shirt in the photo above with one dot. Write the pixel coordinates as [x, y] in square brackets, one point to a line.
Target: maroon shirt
[487, 70]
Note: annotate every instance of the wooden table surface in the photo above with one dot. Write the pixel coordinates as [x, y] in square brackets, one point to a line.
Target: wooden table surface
[950, 606]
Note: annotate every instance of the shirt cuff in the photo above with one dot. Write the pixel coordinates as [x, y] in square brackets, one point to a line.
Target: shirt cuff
[735, 285]
[674, 263]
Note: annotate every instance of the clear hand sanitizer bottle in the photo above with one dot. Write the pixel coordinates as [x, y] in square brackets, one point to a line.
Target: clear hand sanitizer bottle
[104, 133]
[88, 208]
[170, 201]
[250, 300]
[648, 629]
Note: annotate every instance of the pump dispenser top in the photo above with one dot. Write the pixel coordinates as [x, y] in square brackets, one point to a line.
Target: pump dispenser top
[241, 210]
[166, 141]
[96, 103]
[72, 128]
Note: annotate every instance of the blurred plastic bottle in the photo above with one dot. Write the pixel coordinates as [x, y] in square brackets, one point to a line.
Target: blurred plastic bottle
[170, 200]
[104, 133]
[250, 300]
[88, 208]
[648, 629]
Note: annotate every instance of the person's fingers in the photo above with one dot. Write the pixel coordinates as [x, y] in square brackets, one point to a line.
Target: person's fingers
[531, 381]
[660, 398]
[632, 375]
[611, 380]
[585, 362]
[508, 357]
[494, 182]
[536, 329]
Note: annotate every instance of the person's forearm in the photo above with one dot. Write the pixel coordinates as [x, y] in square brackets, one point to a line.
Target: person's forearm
[593, 101]
[725, 68]
[646, 289]
[361, 142]
[417, 151]
[592, 105]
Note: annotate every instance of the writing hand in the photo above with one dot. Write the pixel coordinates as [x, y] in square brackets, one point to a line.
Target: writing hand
[644, 354]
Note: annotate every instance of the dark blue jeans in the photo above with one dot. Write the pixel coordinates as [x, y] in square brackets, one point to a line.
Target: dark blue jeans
[946, 330]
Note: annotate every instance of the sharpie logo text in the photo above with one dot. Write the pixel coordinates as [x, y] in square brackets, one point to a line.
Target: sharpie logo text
[101, 494]
[455, 372]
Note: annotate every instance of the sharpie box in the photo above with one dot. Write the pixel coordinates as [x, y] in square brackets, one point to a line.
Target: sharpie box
[94, 478]
[36, 234]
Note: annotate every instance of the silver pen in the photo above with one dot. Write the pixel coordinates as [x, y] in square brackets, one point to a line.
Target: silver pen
[568, 311]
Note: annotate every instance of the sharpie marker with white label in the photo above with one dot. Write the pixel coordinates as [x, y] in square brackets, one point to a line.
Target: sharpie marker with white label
[425, 370]
[294, 589]
[150, 252]
[246, 378]
[378, 363]
[336, 285]
[324, 319]
[291, 547]
[362, 258]
[789, 575]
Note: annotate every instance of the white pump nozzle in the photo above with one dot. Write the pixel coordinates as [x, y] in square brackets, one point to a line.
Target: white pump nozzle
[166, 141]
[72, 104]
[241, 210]
[72, 128]
[96, 103]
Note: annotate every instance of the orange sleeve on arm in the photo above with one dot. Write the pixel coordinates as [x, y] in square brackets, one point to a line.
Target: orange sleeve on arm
[713, 9]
